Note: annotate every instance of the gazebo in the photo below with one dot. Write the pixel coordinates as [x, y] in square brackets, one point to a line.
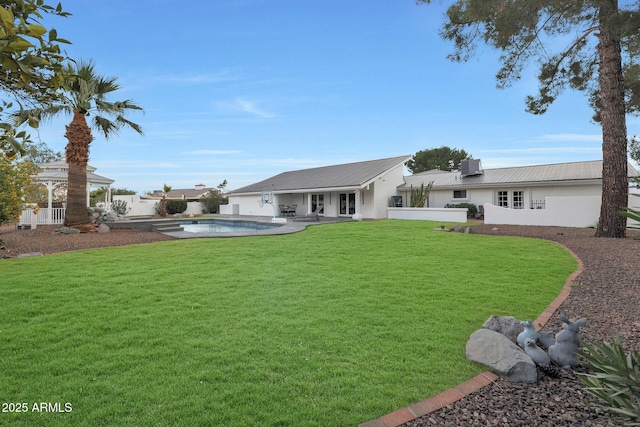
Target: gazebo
[53, 176]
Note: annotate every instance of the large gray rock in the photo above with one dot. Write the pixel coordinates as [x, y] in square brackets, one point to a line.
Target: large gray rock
[103, 228]
[508, 326]
[498, 353]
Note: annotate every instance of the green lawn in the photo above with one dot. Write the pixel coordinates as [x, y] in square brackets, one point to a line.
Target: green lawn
[333, 326]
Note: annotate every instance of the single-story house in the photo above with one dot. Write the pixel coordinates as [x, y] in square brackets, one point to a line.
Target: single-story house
[564, 194]
[188, 194]
[523, 187]
[357, 190]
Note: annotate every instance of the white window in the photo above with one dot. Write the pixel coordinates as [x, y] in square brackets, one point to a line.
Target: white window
[459, 194]
[518, 200]
[503, 199]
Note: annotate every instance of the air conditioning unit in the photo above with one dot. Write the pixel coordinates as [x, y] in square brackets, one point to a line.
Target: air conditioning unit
[470, 167]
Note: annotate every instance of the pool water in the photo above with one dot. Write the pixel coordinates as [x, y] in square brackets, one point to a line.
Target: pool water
[212, 226]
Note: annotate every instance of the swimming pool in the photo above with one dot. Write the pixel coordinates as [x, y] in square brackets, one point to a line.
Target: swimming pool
[221, 226]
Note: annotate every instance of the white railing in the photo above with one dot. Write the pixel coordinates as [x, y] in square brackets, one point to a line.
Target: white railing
[28, 217]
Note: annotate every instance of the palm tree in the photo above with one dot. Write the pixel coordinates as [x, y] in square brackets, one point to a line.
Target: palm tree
[163, 202]
[85, 95]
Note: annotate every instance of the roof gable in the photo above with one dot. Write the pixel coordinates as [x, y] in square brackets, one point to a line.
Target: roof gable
[347, 175]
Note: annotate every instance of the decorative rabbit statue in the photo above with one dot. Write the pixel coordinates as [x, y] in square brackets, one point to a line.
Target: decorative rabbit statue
[536, 354]
[564, 351]
[529, 332]
[546, 339]
[540, 358]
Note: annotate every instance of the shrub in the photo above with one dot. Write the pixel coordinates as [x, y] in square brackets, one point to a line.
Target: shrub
[119, 207]
[472, 209]
[615, 379]
[420, 195]
[176, 206]
[631, 213]
[212, 201]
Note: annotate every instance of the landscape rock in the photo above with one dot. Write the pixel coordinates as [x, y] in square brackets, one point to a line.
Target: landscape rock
[498, 353]
[103, 228]
[508, 326]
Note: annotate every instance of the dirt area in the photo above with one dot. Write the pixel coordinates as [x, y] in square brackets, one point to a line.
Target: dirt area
[46, 240]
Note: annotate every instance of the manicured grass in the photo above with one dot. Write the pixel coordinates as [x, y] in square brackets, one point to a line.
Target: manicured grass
[333, 326]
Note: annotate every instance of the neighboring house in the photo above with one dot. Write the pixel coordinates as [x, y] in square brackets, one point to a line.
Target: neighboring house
[189, 194]
[146, 205]
[358, 190]
[523, 187]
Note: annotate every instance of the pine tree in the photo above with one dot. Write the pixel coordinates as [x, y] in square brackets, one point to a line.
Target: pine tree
[601, 59]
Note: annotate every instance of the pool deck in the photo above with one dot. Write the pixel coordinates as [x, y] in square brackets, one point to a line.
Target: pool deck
[291, 226]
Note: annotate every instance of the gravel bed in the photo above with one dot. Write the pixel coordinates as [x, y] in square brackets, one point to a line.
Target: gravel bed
[45, 240]
[606, 293]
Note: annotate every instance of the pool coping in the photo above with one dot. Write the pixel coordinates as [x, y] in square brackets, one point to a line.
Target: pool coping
[287, 227]
[458, 392]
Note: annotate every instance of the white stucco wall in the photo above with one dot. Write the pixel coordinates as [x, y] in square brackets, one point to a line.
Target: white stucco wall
[383, 188]
[429, 214]
[578, 211]
[634, 203]
[146, 207]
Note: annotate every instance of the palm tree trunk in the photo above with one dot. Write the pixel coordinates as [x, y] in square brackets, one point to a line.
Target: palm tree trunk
[77, 155]
[615, 185]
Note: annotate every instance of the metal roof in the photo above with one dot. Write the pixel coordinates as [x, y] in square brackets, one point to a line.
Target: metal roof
[345, 176]
[522, 175]
[188, 193]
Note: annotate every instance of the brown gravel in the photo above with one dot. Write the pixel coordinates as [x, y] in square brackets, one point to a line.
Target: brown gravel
[44, 240]
[606, 293]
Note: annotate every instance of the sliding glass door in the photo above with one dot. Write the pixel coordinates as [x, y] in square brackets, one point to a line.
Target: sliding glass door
[317, 200]
[347, 204]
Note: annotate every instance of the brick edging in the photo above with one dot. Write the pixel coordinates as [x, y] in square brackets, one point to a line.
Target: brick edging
[446, 398]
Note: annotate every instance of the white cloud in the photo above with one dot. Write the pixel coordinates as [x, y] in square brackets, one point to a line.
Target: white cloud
[197, 79]
[212, 152]
[578, 137]
[544, 150]
[134, 165]
[252, 108]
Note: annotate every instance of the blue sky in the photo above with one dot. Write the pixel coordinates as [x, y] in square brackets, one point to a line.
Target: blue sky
[245, 89]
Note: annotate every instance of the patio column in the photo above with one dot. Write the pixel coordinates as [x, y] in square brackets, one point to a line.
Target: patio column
[50, 187]
[357, 216]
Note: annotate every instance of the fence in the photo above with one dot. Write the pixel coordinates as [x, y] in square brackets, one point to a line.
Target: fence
[29, 218]
[537, 204]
